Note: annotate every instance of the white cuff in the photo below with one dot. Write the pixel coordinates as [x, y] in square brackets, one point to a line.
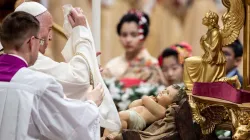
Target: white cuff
[80, 28]
[92, 102]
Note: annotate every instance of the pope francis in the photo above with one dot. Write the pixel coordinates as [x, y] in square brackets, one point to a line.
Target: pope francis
[81, 69]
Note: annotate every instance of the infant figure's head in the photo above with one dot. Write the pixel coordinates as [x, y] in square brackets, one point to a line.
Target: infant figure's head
[172, 94]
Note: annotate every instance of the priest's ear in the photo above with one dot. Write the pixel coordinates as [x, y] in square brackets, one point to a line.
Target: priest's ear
[27, 44]
[33, 44]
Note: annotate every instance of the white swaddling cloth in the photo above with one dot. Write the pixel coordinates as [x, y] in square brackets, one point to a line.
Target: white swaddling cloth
[136, 121]
[109, 115]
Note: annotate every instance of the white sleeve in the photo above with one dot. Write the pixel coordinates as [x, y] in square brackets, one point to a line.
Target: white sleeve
[81, 41]
[71, 72]
[73, 75]
[58, 118]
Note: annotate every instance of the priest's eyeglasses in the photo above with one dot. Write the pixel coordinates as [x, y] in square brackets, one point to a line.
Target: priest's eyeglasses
[41, 41]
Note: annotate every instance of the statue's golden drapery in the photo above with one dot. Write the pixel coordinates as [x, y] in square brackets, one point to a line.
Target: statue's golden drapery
[211, 66]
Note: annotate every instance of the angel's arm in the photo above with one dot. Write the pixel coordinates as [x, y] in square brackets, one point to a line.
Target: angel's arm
[215, 41]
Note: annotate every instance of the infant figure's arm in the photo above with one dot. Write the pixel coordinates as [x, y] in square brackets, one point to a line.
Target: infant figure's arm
[136, 103]
[153, 107]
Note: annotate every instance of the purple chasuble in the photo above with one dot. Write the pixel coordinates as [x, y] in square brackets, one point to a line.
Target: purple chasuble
[9, 65]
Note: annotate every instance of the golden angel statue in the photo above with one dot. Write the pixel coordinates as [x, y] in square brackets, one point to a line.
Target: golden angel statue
[211, 66]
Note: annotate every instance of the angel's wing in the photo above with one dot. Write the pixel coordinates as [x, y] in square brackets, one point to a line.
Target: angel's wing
[233, 21]
[214, 114]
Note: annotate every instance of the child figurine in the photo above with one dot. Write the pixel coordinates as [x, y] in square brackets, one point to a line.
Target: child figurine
[149, 109]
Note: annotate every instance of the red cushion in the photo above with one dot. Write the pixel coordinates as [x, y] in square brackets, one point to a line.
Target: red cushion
[221, 90]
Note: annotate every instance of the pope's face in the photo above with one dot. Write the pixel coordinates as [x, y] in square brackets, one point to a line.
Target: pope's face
[45, 33]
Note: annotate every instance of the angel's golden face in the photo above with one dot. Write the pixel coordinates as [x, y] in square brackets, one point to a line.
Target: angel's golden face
[210, 18]
[205, 20]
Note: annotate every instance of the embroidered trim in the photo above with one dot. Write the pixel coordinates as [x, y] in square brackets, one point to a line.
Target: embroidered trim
[91, 78]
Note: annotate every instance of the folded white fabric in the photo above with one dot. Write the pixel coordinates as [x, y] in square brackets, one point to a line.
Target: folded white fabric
[109, 116]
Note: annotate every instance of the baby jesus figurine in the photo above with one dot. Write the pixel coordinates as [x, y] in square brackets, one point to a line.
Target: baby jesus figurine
[145, 111]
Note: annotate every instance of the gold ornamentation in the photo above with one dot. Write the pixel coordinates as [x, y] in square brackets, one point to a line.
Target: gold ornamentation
[208, 116]
[233, 20]
[196, 113]
[214, 114]
[211, 114]
[211, 66]
[240, 121]
[232, 80]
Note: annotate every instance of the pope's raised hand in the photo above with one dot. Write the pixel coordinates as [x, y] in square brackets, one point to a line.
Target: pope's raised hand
[76, 18]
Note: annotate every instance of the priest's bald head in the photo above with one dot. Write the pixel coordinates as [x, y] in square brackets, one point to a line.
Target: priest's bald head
[43, 16]
[19, 36]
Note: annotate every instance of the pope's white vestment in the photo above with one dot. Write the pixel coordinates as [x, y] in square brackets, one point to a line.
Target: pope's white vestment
[74, 75]
[32, 106]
